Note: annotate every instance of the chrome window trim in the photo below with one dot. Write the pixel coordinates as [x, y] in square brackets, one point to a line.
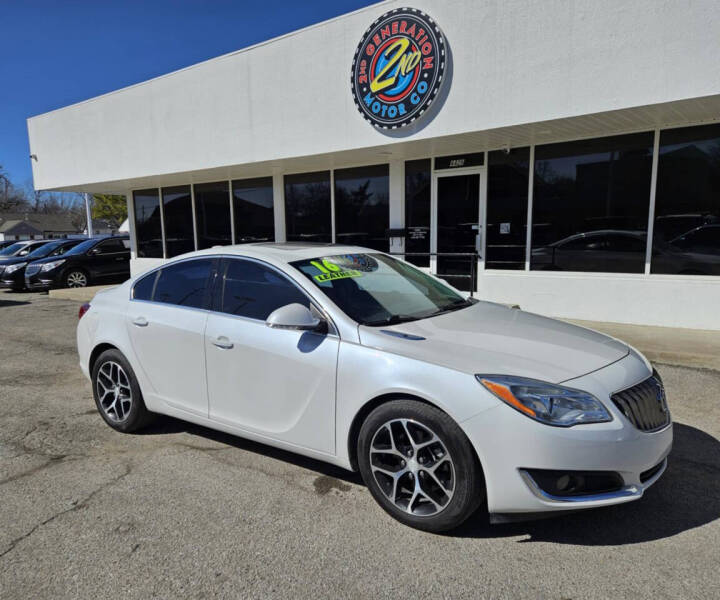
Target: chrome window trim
[333, 330]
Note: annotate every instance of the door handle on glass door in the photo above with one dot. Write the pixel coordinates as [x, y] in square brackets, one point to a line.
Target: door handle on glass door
[140, 321]
[222, 342]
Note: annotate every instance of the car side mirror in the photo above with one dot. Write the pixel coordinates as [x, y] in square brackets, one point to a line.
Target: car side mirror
[94, 251]
[295, 317]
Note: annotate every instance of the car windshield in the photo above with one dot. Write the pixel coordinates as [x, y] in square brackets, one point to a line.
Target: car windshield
[44, 250]
[375, 289]
[11, 249]
[82, 247]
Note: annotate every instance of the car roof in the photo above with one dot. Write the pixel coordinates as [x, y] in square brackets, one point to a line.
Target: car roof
[283, 251]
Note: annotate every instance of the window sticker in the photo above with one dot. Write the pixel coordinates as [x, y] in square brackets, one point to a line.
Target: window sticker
[329, 270]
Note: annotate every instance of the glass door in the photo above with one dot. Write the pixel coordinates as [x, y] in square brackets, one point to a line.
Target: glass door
[457, 228]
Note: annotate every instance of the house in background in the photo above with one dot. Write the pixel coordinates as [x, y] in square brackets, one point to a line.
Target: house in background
[35, 226]
[102, 227]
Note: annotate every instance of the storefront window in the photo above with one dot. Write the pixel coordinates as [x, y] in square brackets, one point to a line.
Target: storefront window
[177, 213]
[507, 203]
[686, 234]
[253, 208]
[307, 207]
[212, 214]
[362, 210]
[590, 204]
[148, 228]
[418, 179]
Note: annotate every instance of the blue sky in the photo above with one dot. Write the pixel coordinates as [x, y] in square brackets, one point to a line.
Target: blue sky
[57, 52]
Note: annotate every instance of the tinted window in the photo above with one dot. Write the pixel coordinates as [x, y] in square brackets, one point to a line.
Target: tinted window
[143, 289]
[44, 250]
[253, 210]
[212, 214]
[591, 186]
[254, 291]
[185, 283]
[307, 207]
[507, 204]
[148, 229]
[178, 219]
[362, 211]
[687, 202]
[417, 210]
[111, 246]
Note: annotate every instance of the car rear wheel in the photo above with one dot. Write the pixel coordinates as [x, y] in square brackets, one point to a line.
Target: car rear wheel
[117, 393]
[76, 278]
[419, 465]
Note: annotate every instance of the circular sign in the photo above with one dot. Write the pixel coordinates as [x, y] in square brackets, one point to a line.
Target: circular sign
[398, 68]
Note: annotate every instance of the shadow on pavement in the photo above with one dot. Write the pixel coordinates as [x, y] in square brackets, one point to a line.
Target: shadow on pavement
[13, 303]
[685, 497]
[168, 425]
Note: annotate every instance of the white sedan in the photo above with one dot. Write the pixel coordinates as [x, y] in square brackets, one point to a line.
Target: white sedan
[354, 357]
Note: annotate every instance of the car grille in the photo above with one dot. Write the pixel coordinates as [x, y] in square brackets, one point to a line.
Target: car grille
[32, 269]
[644, 404]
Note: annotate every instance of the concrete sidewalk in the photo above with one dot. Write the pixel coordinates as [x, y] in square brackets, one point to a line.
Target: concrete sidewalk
[669, 345]
[83, 294]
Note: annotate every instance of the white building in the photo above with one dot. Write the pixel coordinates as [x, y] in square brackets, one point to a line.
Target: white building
[597, 123]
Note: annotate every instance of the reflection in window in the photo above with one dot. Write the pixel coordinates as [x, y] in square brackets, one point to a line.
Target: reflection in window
[212, 214]
[507, 203]
[177, 213]
[686, 234]
[253, 208]
[148, 228]
[184, 283]
[307, 207]
[588, 196]
[362, 210]
[254, 291]
[417, 210]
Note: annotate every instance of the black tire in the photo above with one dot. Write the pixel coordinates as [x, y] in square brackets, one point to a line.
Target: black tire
[72, 275]
[138, 415]
[468, 486]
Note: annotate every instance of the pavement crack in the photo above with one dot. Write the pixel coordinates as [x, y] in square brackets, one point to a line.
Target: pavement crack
[75, 507]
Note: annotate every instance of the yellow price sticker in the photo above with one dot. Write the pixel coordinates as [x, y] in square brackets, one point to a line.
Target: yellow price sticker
[337, 275]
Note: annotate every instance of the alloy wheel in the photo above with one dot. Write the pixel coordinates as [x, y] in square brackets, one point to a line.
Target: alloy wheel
[76, 279]
[412, 467]
[114, 392]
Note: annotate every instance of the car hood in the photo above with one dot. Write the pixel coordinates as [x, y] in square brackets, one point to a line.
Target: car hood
[48, 259]
[13, 260]
[495, 339]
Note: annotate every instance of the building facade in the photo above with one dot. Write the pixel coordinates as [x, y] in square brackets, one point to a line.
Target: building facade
[564, 156]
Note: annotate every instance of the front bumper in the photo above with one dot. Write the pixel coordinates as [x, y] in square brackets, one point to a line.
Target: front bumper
[40, 280]
[509, 444]
[14, 280]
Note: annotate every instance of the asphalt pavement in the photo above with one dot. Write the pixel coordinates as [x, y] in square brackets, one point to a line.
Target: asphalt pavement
[180, 511]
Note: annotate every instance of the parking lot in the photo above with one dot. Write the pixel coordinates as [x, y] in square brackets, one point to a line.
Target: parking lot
[180, 511]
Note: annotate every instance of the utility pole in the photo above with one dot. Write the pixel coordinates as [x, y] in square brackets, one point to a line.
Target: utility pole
[88, 214]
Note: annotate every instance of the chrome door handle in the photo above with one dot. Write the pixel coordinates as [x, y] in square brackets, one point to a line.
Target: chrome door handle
[222, 342]
[140, 322]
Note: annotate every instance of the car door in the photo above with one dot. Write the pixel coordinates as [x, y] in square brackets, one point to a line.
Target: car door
[274, 382]
[166, 320]
[109, 258]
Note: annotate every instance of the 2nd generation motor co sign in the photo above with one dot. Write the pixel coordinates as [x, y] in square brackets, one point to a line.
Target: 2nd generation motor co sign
[398, 68]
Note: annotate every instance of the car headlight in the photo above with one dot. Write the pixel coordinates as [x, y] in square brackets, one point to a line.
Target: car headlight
[546, 402]
[12, 268]
[52, 265]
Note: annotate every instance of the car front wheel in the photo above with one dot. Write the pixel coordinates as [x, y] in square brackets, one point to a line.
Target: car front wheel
[76, 278]
[419, 465]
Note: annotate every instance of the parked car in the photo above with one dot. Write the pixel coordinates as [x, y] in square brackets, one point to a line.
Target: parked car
[356, 358]
[6, 243]
[616, 251]
[20, 249]
[93, 261]
[12, 275]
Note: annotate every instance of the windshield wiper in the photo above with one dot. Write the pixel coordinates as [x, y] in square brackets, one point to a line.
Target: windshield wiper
[455, 305]
[393, 320]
